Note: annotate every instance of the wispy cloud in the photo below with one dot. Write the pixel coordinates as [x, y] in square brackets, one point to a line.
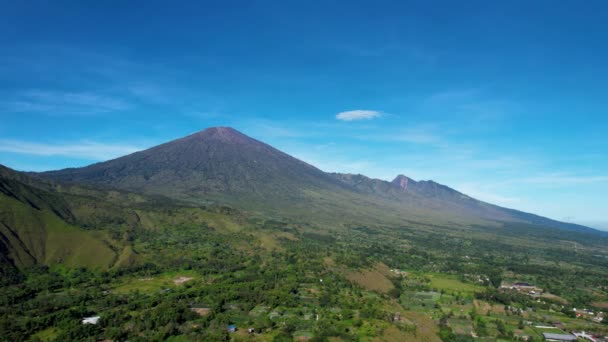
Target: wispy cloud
[70, 103]
[276, 131]
[89, 150]
[417, 138]
[488, 195]
[417, 134]
[90, 82]
[264, 129]
[87, 81]
[563, 179]
[451, 96]
[478, 106]
[333, 163]
[149, 92]
[359, 114]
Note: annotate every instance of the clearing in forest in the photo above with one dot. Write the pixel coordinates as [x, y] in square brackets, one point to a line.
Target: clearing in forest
[374, 279]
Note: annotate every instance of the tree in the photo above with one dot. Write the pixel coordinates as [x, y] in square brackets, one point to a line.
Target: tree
[500, 325]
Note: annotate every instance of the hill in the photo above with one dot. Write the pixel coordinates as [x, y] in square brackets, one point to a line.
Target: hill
[34, 229]
[47, 223]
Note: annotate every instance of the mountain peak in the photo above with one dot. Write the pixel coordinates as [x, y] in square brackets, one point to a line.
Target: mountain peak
[402, 181]
[222, 134]
[220, 130]
[212, 162]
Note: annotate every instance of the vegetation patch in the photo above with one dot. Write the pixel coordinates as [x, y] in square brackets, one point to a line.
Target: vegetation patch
[603, 305]
[374, 279]
[452, 284]
[152, 284]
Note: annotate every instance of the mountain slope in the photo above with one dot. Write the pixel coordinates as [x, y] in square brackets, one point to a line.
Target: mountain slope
[30, 235]
[439, 197]
[214, 161]
[221, 164]
[33, 229]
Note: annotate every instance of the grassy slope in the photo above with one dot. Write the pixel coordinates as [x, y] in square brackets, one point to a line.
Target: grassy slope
[35, 235]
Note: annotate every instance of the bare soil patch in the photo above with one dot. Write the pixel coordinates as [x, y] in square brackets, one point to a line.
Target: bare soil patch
[201, 311]
[603, 305]
[181, 280]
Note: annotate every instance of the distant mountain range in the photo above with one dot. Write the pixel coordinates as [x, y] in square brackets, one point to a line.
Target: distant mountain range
[223, 165]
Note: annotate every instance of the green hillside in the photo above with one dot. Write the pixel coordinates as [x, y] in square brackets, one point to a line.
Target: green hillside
[34, 235]
[37, 227]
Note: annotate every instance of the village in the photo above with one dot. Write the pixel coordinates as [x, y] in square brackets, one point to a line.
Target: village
[440, 301]
[555, 330]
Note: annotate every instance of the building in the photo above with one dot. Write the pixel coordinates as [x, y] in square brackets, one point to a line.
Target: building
[91, 320]
[586, 336]
[521, 286]
[558, 337]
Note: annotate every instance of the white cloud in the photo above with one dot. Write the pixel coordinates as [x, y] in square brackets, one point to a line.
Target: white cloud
[359, 114]
[86, 149]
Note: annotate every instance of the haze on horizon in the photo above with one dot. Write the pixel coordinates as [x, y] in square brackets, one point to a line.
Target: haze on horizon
[504, 102]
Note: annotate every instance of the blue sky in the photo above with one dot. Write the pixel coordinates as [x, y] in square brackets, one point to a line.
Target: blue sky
[507, 102]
